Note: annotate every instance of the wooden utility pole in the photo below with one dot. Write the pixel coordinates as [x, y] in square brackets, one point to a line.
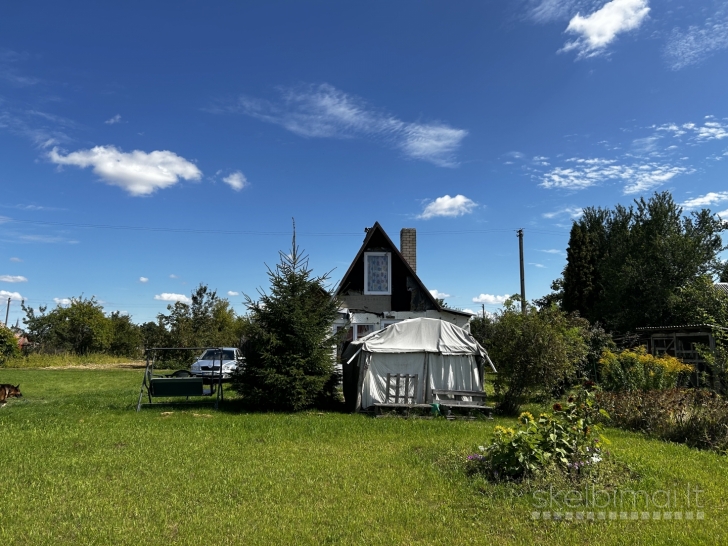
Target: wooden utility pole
[523, 275]
[7, 312]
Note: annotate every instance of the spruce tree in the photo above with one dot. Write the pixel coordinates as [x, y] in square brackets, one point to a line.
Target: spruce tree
[289, 350]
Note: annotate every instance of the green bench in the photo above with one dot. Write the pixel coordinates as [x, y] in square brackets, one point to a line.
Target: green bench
[178, 386]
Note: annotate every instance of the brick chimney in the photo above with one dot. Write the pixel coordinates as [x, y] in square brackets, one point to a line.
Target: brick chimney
[408, 246]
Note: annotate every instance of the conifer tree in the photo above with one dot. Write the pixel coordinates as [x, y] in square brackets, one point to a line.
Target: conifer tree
[289, 356]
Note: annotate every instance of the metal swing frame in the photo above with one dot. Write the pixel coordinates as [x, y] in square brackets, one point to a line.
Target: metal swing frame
[174, 385]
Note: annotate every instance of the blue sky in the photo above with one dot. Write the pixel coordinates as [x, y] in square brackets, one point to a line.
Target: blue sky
[148, 147]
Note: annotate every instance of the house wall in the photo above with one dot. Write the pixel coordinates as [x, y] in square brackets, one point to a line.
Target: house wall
[406, 294]
[372, 304]
[382, 320]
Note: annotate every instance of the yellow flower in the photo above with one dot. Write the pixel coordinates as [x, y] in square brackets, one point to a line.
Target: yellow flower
[503, 430]
[526, 417]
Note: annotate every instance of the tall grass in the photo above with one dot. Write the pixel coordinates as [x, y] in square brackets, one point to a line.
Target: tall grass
[80, 466]
[63, 360]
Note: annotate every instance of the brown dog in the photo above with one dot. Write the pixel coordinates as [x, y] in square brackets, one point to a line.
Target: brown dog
[9, 391]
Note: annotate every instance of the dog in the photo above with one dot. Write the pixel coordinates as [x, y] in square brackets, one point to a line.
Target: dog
[9, 391]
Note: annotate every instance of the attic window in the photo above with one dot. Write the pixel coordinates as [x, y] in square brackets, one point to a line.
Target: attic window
[378, 273]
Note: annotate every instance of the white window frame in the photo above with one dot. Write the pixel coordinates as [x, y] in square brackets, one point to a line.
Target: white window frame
[388, 322]
[368, 292]
[355, 332]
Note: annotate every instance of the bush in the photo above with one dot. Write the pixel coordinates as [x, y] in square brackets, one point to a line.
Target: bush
[698, 418]
[8, 344]
[567, 440]
[541, 351]
[637, 370]
[716, 369]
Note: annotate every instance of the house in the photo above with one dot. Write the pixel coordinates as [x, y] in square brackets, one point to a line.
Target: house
[381, 287]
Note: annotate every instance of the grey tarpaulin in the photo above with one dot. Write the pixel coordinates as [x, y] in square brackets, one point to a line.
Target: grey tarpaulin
[442, 355]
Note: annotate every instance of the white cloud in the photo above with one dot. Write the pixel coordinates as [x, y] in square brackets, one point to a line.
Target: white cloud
[599, 29]
[4, 295]
[17, 260]
[165, 296]
[647, 177]
[173, 276]
[573, 212]
[322, 111]
[691, 46]
[638, 177]
[62, 301]
[712, 130]
[46, 239]
[448, 206]
[143, 279]
[12, 278]
[115, 119]
[439, 295]
[490, 299]
[470, 311]
[709, 198]
[436, 143]
[723, 214]
[26, 125]
[552, 251]
[536, 265]
[137, 172]
[546, 11]
[698, 134]
[233, 293]
[236, 180]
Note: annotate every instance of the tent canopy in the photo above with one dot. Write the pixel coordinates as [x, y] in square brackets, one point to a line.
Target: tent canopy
[440, 354]
[420, 335]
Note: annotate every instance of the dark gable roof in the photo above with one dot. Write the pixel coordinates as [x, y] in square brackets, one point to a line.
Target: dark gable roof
[377, 230]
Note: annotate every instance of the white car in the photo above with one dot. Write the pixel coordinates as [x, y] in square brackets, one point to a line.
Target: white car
[208, 364]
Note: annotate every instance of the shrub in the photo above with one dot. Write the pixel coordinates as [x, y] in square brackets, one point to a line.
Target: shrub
[716, 369]
[8, 344]
[567, 440]
[637, 370]
[540, 351]
[698, 418]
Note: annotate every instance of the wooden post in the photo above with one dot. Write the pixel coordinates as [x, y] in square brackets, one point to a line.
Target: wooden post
[523, 275]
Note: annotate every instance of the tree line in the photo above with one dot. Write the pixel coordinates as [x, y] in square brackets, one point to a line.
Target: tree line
[83, 327]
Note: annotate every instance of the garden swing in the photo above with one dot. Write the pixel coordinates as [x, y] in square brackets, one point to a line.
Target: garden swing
[181, 383]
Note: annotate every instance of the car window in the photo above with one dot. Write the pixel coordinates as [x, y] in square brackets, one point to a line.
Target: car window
[214, 354]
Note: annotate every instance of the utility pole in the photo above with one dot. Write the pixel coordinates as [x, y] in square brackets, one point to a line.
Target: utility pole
[7, 312]
[523, 275]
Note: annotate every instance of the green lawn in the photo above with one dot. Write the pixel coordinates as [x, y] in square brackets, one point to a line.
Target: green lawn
[80, 466]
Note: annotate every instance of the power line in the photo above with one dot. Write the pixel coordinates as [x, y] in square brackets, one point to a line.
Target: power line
[256, 232]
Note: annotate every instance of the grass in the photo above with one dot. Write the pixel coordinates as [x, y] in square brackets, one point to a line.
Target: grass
[64, 360]
[81, 466]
